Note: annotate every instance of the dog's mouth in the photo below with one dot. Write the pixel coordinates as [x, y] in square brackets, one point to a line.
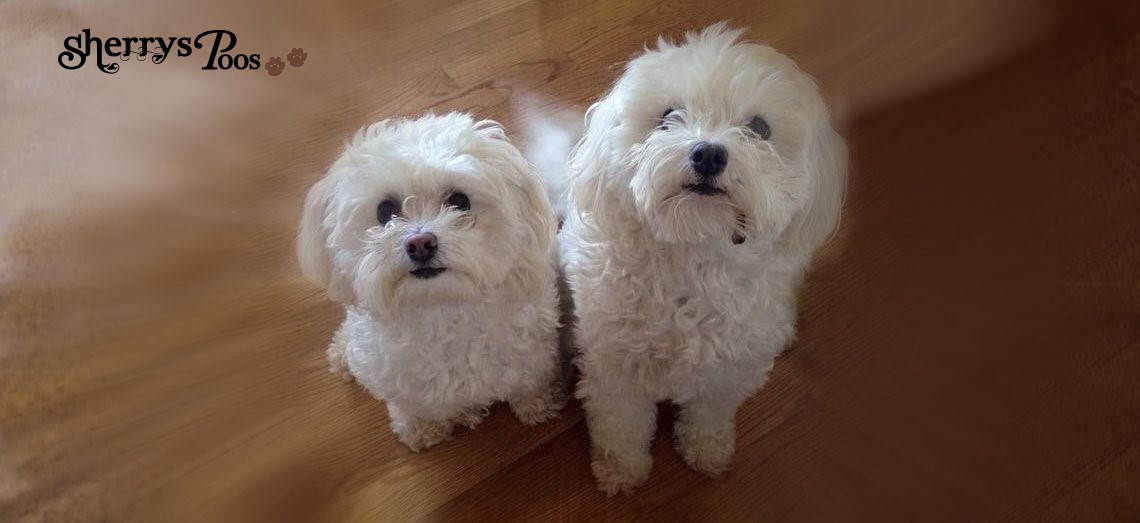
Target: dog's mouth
[427, 273]
[704, 189]
[738, 236]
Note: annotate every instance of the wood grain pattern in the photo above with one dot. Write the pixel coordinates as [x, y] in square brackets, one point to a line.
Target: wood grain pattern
[969, 345]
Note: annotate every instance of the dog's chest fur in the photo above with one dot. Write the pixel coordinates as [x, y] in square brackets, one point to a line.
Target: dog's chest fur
[679, 317]
[454, 358]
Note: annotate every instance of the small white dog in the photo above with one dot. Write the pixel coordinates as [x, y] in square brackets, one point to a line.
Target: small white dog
[439, 240]
[704, 182]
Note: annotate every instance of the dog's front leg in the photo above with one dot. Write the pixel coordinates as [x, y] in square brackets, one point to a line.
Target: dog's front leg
[621, 424]
[416, 432]
[705, 430]
[541, 398]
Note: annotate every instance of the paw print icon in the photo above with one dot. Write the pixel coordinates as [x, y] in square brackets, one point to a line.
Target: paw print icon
[275, 66]
[297, 57]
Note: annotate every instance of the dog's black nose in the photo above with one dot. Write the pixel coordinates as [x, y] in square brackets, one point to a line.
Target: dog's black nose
[421, 247]
[708, 159]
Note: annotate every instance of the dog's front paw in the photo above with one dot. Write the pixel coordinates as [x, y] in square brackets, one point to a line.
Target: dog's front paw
[538, 409]
[337, 355]
[707, 450]
[421, 434]
[621, 473]
[535, 416]
[338, 362]
[471, 418]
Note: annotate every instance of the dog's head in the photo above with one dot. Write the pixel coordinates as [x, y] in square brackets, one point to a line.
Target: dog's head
[713, 140]
[432, 211]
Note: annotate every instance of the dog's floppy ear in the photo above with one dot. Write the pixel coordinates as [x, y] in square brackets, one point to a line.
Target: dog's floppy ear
[544, 224]
[590, 159]
[826, 164]
[539, 215]
[313, 241]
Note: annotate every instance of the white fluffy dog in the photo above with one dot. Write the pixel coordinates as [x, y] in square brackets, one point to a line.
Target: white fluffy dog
[705, 180]
[439, 240]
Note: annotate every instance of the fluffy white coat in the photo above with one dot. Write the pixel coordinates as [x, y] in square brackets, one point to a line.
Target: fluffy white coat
[685, 296]
[438, 349]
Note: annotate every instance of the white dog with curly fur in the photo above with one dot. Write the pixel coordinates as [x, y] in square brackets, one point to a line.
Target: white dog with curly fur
[704, 182]
[439, 240]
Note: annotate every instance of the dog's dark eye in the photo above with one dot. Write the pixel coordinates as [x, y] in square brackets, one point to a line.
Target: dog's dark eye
[760, 126]
[386, 211]
[664, 120]
[459, 201]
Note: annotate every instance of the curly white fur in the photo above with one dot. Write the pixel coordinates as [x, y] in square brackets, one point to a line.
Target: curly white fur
[438, 350]
[684, 296]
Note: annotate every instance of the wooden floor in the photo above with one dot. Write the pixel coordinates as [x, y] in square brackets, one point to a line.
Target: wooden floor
[969, 346]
